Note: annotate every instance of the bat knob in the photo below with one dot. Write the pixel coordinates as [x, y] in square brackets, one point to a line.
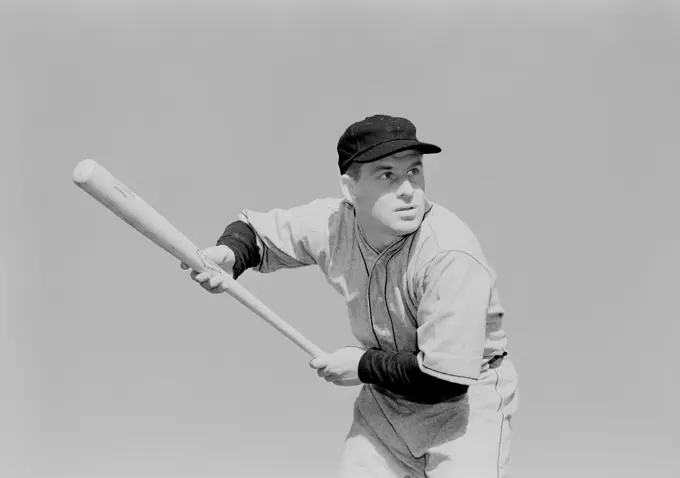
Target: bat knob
[84, 170]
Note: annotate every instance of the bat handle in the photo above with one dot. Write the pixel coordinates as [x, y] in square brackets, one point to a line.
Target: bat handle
[203, 263]
[241, 294]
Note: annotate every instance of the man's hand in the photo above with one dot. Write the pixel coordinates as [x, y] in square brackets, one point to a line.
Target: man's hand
[223, 257]
[341, 367]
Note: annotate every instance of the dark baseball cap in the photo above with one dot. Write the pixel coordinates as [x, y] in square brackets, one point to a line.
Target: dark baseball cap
[378, 136]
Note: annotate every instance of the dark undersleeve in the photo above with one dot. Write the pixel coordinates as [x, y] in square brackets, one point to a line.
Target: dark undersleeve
[400, 373]
[240, 238]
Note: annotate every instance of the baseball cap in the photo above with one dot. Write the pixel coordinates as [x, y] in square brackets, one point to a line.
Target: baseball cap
[378, 136]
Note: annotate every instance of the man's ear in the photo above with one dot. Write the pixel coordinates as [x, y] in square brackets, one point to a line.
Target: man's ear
[348, 185]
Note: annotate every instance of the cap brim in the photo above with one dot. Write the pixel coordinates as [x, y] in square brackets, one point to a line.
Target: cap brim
[385, 149]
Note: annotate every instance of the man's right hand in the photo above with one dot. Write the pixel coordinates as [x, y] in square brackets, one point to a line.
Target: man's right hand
[223, 257]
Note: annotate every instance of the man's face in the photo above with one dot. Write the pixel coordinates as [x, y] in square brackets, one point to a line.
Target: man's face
[390, 193]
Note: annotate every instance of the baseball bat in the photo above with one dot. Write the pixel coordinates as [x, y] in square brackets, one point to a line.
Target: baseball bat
[95, 180]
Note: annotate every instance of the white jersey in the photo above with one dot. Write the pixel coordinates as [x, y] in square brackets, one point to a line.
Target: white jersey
[431, 293]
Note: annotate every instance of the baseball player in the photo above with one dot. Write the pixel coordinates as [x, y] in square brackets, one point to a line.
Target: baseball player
[437, 390]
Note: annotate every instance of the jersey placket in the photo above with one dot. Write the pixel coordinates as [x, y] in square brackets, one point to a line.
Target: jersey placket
[381, 324]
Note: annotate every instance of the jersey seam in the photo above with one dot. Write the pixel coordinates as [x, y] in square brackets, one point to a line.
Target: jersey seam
[448, 251]
[500, 437]
[390, 423]
[368, 298]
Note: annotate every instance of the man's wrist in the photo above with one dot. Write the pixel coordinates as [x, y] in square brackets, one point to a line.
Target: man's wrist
[225, 253]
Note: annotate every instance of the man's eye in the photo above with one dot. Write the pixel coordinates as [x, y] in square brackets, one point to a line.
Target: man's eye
[414, 171]
[385, 175]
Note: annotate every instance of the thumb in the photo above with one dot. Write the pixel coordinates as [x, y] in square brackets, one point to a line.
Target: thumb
[318, 362]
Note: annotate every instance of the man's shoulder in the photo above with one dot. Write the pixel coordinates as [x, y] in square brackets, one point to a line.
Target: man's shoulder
[443, 231]
[331, 204]
[446, 227]
[320, 207]
[315, 215]
[331, 214]
[332, 209]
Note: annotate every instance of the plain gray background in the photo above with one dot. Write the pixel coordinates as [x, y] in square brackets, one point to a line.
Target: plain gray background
[559, 128]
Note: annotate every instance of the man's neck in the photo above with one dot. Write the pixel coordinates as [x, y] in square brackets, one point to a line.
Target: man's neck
[378, 240]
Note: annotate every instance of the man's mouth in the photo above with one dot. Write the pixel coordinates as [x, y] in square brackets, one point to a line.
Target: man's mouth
[406, 208]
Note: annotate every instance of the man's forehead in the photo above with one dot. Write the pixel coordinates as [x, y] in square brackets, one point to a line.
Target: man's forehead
[397, 159]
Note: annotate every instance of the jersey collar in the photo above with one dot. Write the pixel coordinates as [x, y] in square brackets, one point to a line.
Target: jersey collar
[398, 241]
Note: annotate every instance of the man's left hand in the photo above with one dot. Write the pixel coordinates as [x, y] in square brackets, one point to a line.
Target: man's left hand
[340, 367]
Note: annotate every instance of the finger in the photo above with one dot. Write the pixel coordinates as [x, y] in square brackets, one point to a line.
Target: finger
[322, 372]
[206, 285]
[332, 378]
[199, 276]
[183, 265]
[215, 281]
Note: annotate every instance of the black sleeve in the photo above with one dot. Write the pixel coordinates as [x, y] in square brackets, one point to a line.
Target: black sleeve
[240, 237]
[399, 372]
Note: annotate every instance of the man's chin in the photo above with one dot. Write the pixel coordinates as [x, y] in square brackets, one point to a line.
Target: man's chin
[404, 228]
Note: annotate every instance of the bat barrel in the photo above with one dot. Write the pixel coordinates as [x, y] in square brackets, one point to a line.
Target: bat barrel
[128, 206]
[131, 208]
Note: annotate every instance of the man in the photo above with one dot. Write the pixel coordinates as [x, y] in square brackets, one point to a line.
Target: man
[438, 393]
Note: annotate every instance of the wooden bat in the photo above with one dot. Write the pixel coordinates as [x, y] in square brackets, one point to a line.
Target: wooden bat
[131, 208]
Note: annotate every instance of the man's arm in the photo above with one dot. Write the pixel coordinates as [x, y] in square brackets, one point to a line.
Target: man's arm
[282, 238]
[455, 293]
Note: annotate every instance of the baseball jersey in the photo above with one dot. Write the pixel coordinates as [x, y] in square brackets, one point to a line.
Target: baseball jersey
[431, 292]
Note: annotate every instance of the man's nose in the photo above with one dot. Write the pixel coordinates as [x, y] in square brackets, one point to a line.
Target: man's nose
[405, 188]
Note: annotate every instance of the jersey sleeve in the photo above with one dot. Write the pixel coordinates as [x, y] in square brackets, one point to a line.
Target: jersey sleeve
[452, 313]
[294, 237]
